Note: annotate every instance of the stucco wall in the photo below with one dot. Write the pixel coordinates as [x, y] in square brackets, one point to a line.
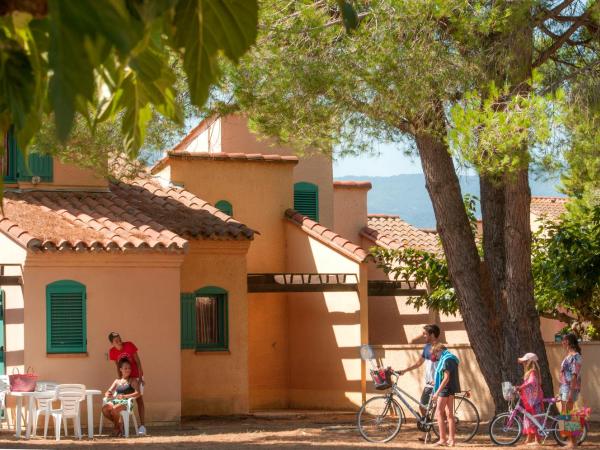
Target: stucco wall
[325, 329]
[350, 212]
[259, 192]
[217, 382]
[72, 175]
[136, 295]
[12, 253]
[402, 356]
[313, 167]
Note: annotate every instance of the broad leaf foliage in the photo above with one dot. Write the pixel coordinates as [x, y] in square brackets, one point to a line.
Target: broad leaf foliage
[103, 59]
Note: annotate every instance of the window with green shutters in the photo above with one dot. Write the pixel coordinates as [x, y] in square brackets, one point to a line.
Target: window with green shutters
[306, 199]
[225, 206]
[14, 167]
[204, 320]
[66, 317]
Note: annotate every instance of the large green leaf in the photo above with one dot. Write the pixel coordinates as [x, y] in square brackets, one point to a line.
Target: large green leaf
[205, 28]
[72, 72]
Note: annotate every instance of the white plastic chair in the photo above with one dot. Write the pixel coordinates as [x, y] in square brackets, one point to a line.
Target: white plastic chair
[4, 388]
[43, 406]
[70, 397]
[125, 415]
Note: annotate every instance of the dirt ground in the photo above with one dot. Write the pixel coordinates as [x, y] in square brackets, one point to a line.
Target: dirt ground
[298, 432]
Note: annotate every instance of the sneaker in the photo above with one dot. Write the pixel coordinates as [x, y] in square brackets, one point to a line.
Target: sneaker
[142, 431]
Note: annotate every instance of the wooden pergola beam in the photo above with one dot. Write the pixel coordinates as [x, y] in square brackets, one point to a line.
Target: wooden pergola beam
[302, 282]
[390, 288]
[11, 280]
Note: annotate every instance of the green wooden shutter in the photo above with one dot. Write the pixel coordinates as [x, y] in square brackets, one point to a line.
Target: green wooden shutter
[225, 207]
[188, 321]
[37, 164]
[306, 199]
[66, 317]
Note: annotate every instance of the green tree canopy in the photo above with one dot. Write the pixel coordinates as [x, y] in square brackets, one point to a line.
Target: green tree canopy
[473, 81]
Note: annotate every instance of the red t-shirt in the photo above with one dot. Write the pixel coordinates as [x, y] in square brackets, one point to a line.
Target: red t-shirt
[128, 351]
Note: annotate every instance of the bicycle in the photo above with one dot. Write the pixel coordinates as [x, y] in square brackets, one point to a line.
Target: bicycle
[507, 428]
[380, 418]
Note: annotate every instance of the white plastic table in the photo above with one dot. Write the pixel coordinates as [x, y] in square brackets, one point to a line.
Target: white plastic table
[89, 393]
[19, 396]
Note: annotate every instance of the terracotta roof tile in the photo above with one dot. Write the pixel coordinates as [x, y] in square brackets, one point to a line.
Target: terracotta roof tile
[550, 207]
[352, 184]
[140, 215]
[326, 236]
[391, 231]
[221, 156]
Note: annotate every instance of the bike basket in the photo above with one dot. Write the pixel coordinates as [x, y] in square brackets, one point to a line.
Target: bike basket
[382, 378]
[508, 390]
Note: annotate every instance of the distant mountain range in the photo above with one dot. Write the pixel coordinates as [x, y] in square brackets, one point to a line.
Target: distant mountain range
[406, 196]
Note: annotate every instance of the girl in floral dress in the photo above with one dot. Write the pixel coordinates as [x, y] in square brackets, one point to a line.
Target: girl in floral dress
[531, 395]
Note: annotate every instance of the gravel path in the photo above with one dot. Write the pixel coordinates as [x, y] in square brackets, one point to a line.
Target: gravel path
[251, 432]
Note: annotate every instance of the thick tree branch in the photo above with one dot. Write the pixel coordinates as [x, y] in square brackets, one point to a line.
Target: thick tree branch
[554, 12]
[557, 315]
[562, 39]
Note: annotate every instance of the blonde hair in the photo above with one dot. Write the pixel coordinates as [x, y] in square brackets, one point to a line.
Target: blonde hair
[438, 347]
[532, 366]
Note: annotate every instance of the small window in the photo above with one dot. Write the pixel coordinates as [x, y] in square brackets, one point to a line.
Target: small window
[225, 206]
[66, 317]
[204, 321]
[13, 167]
[306, 199]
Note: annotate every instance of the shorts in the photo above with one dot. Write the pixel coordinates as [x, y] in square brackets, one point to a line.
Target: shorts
[426, 395]
[564, 393]
[446, 393]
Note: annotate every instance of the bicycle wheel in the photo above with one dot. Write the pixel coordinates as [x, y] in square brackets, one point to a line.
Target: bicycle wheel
[562, 440]
[466, 419]
[504, 430]
[380, 419]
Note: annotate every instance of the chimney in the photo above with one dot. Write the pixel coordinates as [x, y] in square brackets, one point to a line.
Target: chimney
[350, 208]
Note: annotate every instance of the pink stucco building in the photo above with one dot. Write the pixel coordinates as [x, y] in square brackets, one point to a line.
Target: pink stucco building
[239, 270]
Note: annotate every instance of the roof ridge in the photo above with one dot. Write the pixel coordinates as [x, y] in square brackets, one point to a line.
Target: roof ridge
[327, 236]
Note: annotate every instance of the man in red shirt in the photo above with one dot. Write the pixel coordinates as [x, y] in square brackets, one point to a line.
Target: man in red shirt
[128, 350]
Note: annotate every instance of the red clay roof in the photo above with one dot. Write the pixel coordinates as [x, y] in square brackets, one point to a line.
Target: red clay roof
[551, 207]
[133, 216]
[352, 184]
[390, 231]
[326, 236]
[220, 156]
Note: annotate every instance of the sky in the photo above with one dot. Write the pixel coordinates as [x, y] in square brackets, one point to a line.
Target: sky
[391, 161]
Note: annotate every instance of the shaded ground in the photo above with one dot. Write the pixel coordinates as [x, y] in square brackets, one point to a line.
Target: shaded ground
[301, 432]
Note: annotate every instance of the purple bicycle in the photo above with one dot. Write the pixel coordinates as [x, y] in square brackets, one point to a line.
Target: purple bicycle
[507, 428]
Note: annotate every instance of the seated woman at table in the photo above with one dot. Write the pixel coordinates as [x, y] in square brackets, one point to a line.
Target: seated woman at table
[116, 397]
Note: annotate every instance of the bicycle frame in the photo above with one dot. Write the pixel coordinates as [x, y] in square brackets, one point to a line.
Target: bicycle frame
[541, 427]
[400, 392]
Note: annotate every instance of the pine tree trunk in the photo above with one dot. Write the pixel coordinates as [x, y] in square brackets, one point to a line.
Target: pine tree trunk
[493, 217]
[523, 316]
[463, 260]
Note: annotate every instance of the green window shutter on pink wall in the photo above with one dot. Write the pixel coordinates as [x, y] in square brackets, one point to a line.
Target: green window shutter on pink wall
[37, 164]
[188, 320]
[66, 317]
[306, 199]
[225, 206]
